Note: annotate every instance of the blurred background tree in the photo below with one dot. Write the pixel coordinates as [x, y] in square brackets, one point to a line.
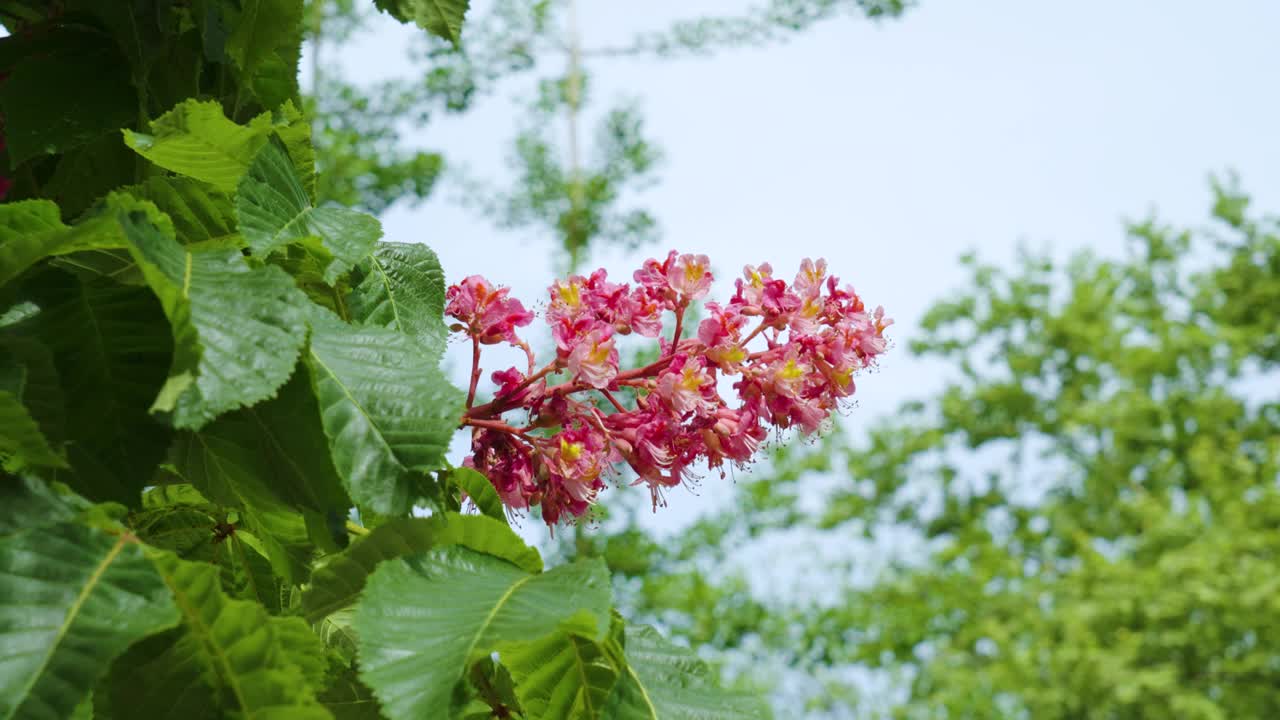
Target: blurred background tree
[1085, 523]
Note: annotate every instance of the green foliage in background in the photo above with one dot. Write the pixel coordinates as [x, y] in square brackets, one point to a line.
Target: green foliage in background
[577, 162]
[1088, 512]
[220, 404]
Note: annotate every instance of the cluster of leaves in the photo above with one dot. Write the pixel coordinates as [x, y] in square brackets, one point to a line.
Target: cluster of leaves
[1093, 501]
[220, 403]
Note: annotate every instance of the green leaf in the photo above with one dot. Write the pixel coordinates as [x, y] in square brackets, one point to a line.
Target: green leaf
[111, 349]
[72, 598]
[200, 213]
[195, 139]
[28, 503]
[271, 463]
[438, 17]
[387, 409]
[274, 210]
[169, 495]
[27, 370]
[86, 174]
[31, 406]
[302, 647]
[348, 698]
[294, 129]
[70, 87]
[232, 645]
[265, 43]
[29, 231]
[337, 583]
[237, 330]
[662, 681]
[404, 291]
[562, 675]
[422, 621]
[22, 445]
[32, 230]
[226, 462]
[480, 490]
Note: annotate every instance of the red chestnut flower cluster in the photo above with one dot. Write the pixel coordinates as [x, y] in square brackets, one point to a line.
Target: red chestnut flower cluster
[791, 351]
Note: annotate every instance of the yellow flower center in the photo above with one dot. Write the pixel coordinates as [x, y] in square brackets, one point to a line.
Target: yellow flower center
[690, 381]
[599, 353]
[693, 271]
[791, 371]
[570, 451]
[843, 377]
[570, 295]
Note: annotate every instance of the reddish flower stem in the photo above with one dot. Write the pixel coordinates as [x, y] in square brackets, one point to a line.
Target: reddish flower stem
[752, 336]
[675, 337]
[609, 396]
[475, 370]
[498, 425]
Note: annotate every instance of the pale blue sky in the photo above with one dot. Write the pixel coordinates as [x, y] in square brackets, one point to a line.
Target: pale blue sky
[890, 149]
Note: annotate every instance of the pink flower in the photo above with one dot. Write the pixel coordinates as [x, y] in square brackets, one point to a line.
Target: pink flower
[594, 359]
[574, 461]
[652, 276]
[642, 314]
[687, 386]
[508, 463]
[751, 287]
[486, 311]
[809, 280]
[690, 276]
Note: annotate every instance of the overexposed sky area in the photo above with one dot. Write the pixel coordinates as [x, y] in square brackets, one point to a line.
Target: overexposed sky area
[892, 148]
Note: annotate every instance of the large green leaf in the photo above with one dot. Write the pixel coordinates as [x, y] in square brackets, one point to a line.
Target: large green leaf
[403, 290]
[423, 620]
[387, 409]
[663, 681]
[562, 675]
[111, 348]
[195, 139]
[237, 330]
[70, 87]
[274, 211]
[72, 598]
[264, 44]
[439, 17]
[337, 583]
[245, 661]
